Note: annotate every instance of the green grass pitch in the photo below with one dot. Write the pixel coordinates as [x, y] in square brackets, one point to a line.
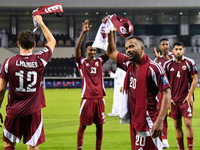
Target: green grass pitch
[61, 122]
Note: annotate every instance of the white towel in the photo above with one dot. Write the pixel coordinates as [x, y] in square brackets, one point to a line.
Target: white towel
[101, 39]
[125, 111]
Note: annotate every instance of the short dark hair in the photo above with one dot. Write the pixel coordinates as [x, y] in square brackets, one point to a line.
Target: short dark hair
[26, 39]
[178, 44]
[163, 39]
[137, 38]
[88, 44]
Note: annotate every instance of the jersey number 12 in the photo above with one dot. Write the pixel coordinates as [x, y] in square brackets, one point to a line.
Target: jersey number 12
[29, 88]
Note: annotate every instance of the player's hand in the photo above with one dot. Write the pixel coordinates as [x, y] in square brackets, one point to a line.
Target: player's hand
[172, 102]
[86, 26]
[104, 20]
[38, 19]
[156, 53]
[110, 72]
[189, 100]
[156, 130]
[1, 117]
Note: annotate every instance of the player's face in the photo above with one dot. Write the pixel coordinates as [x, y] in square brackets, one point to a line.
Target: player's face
[133, 49]
[178, 52]
[164, 46]
[90, 52]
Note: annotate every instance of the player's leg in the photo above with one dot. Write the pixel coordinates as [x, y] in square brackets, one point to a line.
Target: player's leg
[86, 118]
[187, 113]
[33, 130]
[99, 136]
[9, 146]
[99, 120]
[179, 133]
[80, 136]
[189, 133]
[11, 133]
[29, 147]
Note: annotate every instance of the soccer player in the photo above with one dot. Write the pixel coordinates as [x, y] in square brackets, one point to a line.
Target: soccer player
[161, 59]
[118, 76]
[92, 104]
[144, 79]
[24, 72]
[182, 74]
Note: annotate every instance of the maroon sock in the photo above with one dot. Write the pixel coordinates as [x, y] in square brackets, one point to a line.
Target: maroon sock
[80, 138]
[190, 142]
[180, 143]
[99, 136]
[9, 148]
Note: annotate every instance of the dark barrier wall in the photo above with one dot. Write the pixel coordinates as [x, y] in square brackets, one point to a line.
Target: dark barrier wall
[60, 82]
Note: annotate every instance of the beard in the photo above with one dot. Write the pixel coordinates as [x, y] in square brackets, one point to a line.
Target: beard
[135, 57]
[179, 57]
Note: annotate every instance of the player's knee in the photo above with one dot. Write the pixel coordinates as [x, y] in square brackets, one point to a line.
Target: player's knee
[178, 125]
[9, 144]
[188, 124]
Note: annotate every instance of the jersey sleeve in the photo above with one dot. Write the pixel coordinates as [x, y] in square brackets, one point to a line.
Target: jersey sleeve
[194, 69]
[45, 54]
[4, 70]
[160, 78]
[104, 58]
[122, 61]
[78, 61]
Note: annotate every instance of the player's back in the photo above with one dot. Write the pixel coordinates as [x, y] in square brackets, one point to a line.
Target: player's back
[24, 73]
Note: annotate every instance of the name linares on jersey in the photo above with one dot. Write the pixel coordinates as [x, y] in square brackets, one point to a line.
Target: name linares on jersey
[26, 64]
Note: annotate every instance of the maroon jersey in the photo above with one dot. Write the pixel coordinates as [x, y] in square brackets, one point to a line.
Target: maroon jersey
[24, 74]
[163, 60]
[156, 81]
[92, 76]
[179, 75]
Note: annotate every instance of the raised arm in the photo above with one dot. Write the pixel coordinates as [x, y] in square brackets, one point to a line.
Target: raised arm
[111, 50]
[86, 27]
[157, 54]
[51, 42]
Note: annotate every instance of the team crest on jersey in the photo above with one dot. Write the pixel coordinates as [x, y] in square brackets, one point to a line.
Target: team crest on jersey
[97, 63]
[164, 80]
[184, 67]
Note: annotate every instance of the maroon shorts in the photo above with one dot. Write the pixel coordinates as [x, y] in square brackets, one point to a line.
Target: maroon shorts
[181, 109]
[30, 127]
[144, 141]
[92, 111]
